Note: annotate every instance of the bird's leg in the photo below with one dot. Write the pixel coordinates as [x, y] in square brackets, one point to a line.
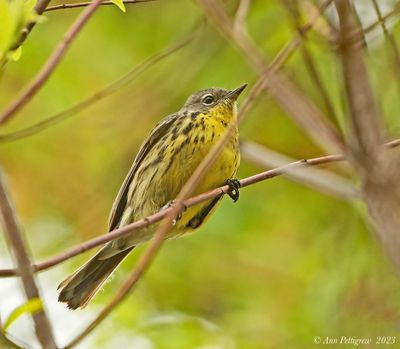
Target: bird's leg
[199, 218]
[234, 186]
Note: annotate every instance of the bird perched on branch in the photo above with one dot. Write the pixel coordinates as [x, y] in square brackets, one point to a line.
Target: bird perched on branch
[166, 160]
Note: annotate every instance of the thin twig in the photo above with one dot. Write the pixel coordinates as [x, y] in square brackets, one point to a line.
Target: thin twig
[293, 9]
[100, 94]
[385, 18]
[321, 180]
[389, 37]
[128, 229]
[17, 247]
[84, 4]
[52, 62]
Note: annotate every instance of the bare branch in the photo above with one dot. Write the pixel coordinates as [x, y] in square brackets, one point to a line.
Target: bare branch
[128, 229]
[52, 62]
[296, 104]
[100, 94]
[84, 4]
[16, 245]
[322, 180]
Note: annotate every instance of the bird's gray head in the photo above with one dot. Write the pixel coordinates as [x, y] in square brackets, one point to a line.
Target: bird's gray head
[205, 100]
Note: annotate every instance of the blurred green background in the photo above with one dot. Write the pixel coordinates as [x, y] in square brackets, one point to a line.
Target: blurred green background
[281, 266]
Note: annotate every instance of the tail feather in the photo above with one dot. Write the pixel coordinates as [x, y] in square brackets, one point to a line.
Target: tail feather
[80, 287]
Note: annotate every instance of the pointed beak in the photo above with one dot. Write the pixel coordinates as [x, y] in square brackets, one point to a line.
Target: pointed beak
[234, 94]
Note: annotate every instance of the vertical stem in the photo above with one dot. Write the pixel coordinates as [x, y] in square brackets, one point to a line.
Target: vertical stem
[19, 252]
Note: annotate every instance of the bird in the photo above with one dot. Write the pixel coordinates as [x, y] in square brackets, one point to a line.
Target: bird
[165, 161]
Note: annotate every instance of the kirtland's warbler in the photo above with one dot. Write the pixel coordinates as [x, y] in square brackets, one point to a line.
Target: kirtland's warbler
[166, 160]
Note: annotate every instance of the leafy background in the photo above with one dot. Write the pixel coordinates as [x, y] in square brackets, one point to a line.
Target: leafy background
[281, 266]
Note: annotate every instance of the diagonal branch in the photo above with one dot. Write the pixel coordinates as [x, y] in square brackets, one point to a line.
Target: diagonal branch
[322, 180]
[17, 247]
[128, 229]
[30, 91]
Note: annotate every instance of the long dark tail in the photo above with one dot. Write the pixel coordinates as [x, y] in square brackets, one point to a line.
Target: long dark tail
[80, 287]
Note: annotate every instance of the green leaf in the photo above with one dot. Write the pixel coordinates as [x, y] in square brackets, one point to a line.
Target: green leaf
[33, 306]
[7, 26]
[120, 4]
[14, 15]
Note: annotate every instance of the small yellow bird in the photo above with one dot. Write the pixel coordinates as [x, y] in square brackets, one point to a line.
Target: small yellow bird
[166, 160]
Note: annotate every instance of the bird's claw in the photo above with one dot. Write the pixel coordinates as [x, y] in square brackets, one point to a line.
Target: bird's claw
[234, 186]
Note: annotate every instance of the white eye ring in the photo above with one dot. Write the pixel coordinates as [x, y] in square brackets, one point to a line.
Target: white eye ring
[207, 99]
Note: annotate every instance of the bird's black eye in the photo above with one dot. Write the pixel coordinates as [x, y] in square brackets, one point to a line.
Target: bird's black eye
[207, 99]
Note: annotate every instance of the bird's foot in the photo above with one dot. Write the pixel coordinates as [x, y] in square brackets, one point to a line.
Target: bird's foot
[234, 186]
[170, 204]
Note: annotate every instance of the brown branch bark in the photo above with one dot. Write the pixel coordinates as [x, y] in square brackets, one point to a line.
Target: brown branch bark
[115, 234]
[30, 91]
[24, 269]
